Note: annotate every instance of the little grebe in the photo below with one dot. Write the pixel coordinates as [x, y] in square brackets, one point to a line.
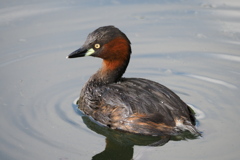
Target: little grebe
[134, 105]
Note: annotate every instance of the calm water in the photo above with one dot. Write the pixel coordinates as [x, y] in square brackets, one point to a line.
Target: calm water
[190, 46]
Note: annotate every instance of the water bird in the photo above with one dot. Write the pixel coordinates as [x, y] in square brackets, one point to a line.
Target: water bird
[134, 105]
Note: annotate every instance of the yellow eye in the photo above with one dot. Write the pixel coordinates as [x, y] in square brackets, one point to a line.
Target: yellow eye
[97, 45]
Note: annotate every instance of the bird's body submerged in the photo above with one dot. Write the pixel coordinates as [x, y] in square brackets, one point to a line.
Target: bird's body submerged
[130, 104]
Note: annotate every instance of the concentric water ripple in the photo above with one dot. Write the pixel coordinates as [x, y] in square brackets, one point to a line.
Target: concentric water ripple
[49, 121]
[190, 47]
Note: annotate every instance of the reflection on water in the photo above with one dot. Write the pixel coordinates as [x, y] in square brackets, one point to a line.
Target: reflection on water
[119, 145]
[192, 47]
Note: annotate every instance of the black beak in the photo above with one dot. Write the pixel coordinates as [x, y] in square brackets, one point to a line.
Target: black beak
[81, 52]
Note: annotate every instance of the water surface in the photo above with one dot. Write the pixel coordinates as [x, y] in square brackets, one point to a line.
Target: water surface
[190, 46]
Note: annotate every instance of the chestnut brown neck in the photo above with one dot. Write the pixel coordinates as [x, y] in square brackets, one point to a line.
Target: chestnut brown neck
[116, 56]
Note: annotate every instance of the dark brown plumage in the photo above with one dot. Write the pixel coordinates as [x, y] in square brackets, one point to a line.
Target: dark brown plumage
[134, 105]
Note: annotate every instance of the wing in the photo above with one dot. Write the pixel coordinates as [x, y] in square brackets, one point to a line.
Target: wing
[145, 97]
[137, 105]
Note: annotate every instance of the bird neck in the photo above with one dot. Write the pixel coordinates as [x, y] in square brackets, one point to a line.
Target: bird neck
[116, 56]
[110, 72]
